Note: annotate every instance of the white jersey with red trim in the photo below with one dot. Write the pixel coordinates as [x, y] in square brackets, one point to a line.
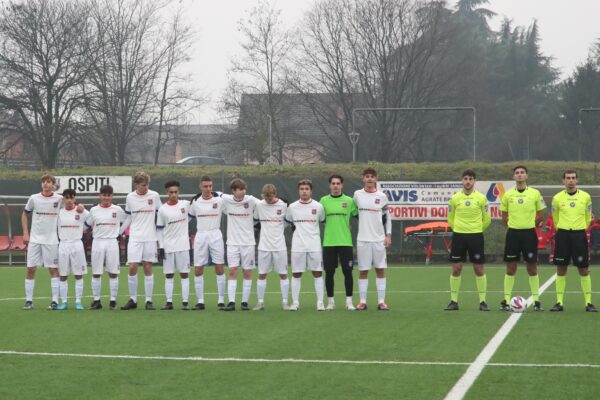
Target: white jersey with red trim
[306, 217]
[207, 213]
[106, 221]
[71, 224]
[44, 222]
[371, 208]
[142, 209]
[240, 219]
[172, 223]
[272, 223]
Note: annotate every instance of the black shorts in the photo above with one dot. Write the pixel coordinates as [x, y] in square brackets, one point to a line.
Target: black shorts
[467, 242]
[571, 245]
[331, 254]
[521, 241]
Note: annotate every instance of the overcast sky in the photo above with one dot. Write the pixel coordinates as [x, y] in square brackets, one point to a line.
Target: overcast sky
[567, 28]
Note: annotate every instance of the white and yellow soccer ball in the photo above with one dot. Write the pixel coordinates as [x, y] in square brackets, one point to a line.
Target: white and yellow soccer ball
[518, 304]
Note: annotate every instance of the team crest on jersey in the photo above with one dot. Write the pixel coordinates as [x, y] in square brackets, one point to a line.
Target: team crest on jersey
[344, 205]
[77, 217]
[55, 204]
[150, 202]
[520, 201]
[377, 201]
[215, 205]
[314, 211]
[183, 210]
[114, 215]
[467, 203]
[278, 212]
[572, 204]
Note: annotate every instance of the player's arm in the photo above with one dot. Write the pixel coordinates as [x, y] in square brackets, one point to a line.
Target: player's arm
[487, 217]
[125, 220]
[504, 208]
[540, 210]
[451, 212]
[555, 212]
[588, 212]
[160, 227]
[25, 221]
[353, 209]
[289, 219]
[387, 223]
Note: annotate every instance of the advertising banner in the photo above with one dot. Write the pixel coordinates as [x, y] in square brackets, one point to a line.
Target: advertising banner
[91, 184]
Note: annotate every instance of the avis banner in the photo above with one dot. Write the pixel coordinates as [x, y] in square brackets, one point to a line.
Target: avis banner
[93, 183]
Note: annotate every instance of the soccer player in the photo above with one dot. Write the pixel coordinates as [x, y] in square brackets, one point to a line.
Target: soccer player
[174, 240]
[141, 205]
[272, 251]
[105, 219]
[337, 238]
[374, 236]
[42, 249]
[239, 208]
[305, 215]
[71, 254]
[522, 208]
[208, 243]
[572, 215]
[468, 216]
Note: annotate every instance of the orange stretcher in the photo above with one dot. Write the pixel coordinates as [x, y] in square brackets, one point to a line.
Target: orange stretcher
[426, 234]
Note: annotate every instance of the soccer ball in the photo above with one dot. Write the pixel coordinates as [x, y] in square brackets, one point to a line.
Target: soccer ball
[518, 304]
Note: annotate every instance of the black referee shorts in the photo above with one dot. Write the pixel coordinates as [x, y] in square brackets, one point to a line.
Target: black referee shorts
[571, 245]
[331, 254]
[463, 243]
[521, 241]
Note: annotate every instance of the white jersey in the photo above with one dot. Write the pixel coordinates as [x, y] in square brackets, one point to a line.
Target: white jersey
[106, 221]
[172, 223]
[240, 219]
[372, 206]
[142, 209]
[306, 217]
[44, 222]
[71, 224]
[207, 213]
[272, 224]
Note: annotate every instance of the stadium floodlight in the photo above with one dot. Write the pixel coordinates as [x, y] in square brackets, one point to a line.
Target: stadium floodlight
[580, 122]
[353, 136]
[472, 109]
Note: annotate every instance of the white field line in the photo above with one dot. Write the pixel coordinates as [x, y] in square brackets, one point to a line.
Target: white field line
[466, 381]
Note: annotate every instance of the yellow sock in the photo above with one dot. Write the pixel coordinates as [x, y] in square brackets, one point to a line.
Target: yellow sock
[534, 284]
[481, 286]
[454, 287]
[561, 283]
[586, 287]
[509, 282]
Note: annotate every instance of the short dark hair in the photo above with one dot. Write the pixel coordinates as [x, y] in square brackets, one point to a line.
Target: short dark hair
[520, 167]
[305, 182]
[69, 193]
[569, 171]
[336, 176]
[168, 184]
[469, 172]
[237, 184]
[369, 171]
[205, 178]
[106, 189]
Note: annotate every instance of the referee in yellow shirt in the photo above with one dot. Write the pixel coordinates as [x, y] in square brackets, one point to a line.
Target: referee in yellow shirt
[572, 214]
[522, 207]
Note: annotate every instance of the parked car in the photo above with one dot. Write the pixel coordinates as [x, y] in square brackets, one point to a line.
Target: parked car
[201, 160]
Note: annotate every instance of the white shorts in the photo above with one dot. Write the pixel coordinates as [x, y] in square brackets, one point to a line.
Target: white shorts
[105, 256]
[272, 261]
[209, 244]
[138, 252]
[371, 254]
[307, 260]
[71, 258]
[178, 261]
[241, 256]
[45, 255]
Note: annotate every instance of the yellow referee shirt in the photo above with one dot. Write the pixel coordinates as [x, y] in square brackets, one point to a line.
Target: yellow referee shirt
[468, 213]
[522, 207]
[572, 211]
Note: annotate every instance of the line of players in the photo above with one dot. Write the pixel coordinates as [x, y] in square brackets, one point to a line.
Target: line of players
[58, 224]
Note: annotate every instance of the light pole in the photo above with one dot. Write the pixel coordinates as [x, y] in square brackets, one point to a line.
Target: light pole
[472, 109]
[270, 139]
[354, 140]
[580, 123]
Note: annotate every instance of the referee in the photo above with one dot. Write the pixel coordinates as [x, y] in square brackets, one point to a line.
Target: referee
[337, 238]
[572, 214]
[522, 207]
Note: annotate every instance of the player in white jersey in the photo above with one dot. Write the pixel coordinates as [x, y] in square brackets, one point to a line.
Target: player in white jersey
[374, 235]
[105, 220]
[174, 240]
[239, 209]
[71, 254]
[207, 208]
[269, 215]
[305, 216]
[141, 205]
[42, 249]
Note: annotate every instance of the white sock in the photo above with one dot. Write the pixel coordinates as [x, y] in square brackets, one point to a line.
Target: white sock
[231, 288]
[330, 300]
[363, 285]
[113, 283]
[132, 284]
[185, 290]
[348, 299]
[29, 285]
[284, 284]
[261, 288]
[319, 288]
[380, 284]
[246, 290]
[64, 291]
[199, 285]
[96, 287]
[296, 284]
[149, 286]
[221, 281]
[54, 285]
[78, 290]
[169, 289]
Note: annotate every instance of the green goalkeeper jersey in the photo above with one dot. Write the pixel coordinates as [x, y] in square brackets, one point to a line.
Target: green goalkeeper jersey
[338, 211]
[468, 213]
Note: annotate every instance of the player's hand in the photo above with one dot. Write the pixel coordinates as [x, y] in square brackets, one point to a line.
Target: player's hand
[26, 238]
[387, 241]
[80, 208]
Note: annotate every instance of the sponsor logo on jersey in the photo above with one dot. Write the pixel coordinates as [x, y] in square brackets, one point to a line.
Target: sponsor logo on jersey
[344, 205]
[150, 201]
[215, 205]
[114, 215]
[572, 204]
[314, 211]
[520, 201]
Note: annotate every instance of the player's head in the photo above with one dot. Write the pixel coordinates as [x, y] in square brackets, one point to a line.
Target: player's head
[48, 181]
[570, 179]
[69, 198]
[336, 184]
[369, 178]
[269, 192]
[106, 195]
[468, 179]
[305, 187]
[206, 185]
[172, 190]
[238, 188]
[520, 173]
[141, 181]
